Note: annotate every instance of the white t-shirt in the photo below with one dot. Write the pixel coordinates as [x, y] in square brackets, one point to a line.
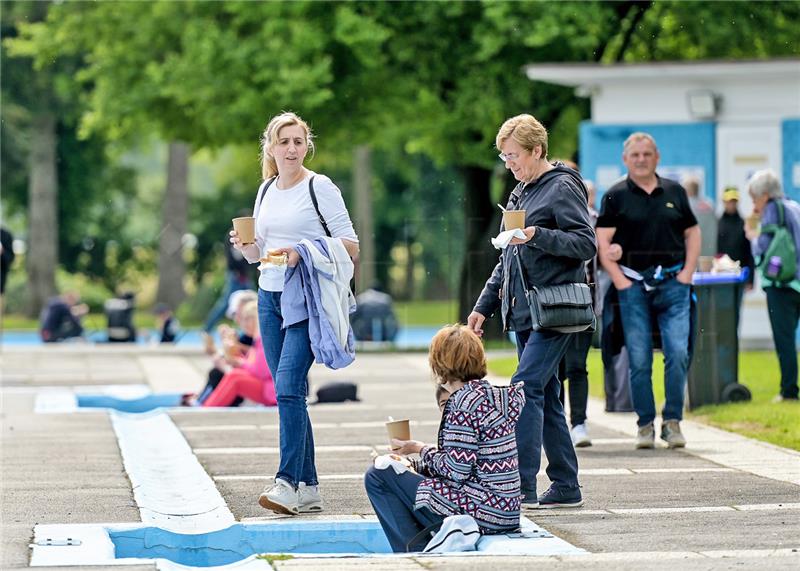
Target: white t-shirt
[285, 217]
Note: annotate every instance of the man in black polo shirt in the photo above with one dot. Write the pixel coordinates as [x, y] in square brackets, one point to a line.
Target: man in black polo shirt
[649, 219]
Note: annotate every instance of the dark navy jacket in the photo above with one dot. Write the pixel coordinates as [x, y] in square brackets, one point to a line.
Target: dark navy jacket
[557, 205]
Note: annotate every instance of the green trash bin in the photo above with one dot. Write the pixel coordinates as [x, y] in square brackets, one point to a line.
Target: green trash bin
[714, 370]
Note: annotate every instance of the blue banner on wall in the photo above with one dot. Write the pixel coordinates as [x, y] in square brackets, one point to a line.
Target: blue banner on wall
[791, 158]
[686, 149]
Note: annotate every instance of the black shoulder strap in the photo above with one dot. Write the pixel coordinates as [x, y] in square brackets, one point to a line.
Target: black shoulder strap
[316, 207]
[261, 194]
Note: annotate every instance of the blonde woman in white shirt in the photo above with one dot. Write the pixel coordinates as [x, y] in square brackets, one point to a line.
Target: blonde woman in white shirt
[285, 214]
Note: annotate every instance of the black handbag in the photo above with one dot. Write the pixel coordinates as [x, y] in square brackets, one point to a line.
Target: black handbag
[565, 308]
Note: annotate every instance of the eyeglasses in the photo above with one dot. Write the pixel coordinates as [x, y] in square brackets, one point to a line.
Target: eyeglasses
[508, 157]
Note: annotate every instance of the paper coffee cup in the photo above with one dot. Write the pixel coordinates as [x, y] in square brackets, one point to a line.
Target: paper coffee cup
[753, 222]
[513, 219]
[246, 228]
[705, 263]
[399, 429]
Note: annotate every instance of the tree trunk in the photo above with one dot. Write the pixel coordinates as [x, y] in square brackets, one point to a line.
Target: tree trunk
[171, 265]
[364, 220]
[42, 255]
[481, 220]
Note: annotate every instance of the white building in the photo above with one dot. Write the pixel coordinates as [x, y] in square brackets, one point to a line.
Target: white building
[720, 121]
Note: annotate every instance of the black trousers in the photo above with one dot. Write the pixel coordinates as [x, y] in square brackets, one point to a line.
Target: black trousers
[573, 367]
[783, 305]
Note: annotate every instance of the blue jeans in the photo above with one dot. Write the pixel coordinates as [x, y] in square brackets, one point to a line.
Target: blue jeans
[670, 304]
[542, 422]
[289, 357]
[392, 496]
[233, 282]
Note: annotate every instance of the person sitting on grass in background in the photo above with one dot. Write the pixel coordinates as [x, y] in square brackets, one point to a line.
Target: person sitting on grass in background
[235, 345]
[474, 468]
[61, 317]
[167, 324]
[251, 378]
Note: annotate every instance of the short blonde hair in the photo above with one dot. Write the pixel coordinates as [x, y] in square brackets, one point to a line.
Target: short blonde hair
[269, 138]
[635, 138]
[456, 354]
[526, 130]
[249, 309]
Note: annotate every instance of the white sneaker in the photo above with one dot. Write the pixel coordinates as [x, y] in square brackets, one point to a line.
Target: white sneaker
[281, 498]
[309, 499]
[580, 436]
[645, 437]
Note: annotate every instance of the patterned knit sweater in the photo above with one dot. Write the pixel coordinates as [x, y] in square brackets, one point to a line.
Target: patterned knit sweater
[474, 470]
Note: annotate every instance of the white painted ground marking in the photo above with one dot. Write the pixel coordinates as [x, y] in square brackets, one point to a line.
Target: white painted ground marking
[320, 425]
[171, 488]
[770, 507]
[653, 511]
[669, 510]
[602, 441]
[679, 470]
[312, 409]
[323, 477]
[275, 450]
[219, 427]
[585, 472]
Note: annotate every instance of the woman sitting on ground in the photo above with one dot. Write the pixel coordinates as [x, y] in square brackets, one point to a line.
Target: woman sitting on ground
[251, 379]
[473, 470]
[235, 345]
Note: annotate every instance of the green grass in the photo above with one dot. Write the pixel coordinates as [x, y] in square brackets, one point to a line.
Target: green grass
[426, 313]
[776, 423]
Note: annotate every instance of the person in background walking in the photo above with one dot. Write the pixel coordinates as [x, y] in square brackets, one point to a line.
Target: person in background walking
[285, 214]
[732, 241]
[237, 277]
[650, 220]
[573, 364]
[783, 300]
[703, 212]
[6, 258]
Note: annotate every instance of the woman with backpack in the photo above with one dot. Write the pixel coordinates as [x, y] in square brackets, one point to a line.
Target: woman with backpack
[293, 204]
[776, 250]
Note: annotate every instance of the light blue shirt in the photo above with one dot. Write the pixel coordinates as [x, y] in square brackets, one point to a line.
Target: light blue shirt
[302, 299]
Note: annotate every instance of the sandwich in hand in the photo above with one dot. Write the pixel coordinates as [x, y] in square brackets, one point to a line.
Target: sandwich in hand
[274, 258]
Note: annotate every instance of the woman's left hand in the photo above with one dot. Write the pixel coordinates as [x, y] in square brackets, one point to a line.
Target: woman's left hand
[684, 277]
[406, 447]
[292, 257]
[529, 232]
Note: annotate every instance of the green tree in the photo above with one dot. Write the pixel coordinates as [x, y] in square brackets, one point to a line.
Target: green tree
[47, 171]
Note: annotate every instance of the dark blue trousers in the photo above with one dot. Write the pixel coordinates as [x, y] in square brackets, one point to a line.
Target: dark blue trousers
[542, 422]
[392, 496]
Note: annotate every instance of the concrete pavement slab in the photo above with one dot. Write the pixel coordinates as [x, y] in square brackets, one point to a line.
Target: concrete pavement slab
[67, 469]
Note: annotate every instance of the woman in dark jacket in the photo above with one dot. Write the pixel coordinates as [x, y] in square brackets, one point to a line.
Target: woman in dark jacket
[559, 239]
[472, 470]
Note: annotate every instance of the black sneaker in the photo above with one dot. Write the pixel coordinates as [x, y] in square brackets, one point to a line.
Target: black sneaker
[560, 498]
